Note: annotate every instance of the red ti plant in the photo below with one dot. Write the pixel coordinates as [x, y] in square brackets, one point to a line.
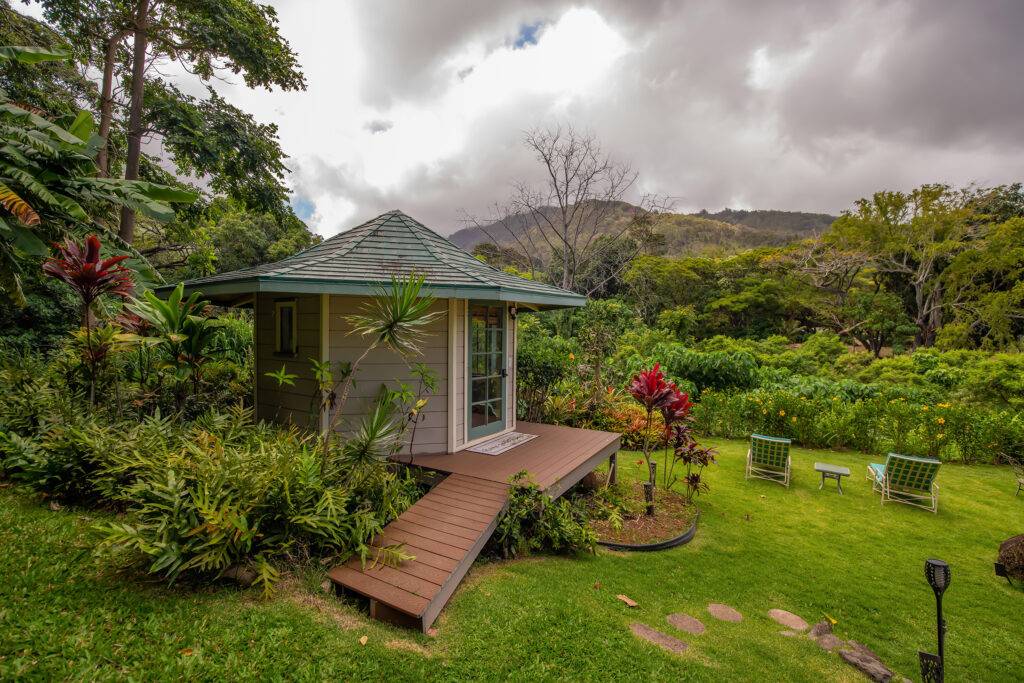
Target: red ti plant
[654, 393]
[80, 266]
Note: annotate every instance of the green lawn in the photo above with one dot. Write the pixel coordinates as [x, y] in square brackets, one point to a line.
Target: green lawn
[760, 546]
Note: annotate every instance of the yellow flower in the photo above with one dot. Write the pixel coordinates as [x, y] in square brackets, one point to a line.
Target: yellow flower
[793, 419]
[572, 356]
[941, 435]
[924, 407]
[764, 412]
[835, 398]
[941, 420]
[782, 413]
[943, 405]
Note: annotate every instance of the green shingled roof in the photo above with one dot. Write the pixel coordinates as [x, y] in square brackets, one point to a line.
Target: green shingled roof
[359, 260]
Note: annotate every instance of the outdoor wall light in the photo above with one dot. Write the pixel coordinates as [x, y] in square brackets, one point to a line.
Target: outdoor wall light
[933, 668]
[512, 312]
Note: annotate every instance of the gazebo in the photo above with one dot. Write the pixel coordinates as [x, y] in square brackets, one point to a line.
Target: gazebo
[468, 430]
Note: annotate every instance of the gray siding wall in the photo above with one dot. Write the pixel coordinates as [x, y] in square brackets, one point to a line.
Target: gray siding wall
[288, 404]
[383, 366]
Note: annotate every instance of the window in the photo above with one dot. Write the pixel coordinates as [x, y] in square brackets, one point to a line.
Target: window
[286, 324]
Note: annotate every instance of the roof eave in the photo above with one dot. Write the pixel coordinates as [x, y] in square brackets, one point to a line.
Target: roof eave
[546, 300]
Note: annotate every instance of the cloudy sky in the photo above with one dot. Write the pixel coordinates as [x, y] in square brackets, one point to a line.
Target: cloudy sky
[747, 104]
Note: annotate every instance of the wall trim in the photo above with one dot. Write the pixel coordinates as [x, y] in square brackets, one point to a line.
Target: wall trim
[452, 361]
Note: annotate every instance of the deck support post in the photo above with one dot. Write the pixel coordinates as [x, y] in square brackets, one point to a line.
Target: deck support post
[613, 469]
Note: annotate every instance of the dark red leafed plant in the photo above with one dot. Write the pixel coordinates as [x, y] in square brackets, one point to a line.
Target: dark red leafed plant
[80, 266]
[650, 389]
[655, 393]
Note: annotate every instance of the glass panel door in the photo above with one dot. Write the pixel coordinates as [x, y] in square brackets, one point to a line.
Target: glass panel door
[487, 373]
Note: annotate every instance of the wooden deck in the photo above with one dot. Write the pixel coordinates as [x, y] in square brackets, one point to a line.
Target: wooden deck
[447, 528]
[558, 458]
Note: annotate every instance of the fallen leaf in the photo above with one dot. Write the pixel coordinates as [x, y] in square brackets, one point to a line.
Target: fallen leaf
[629, 601]
[597, 585]
[362, 641]
[326, 586]
[186, 651]
[829, 617]
[432, 632]
[54, 505]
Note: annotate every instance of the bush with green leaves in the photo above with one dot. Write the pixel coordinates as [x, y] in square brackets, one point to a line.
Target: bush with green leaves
[875, 424]
[533, 523]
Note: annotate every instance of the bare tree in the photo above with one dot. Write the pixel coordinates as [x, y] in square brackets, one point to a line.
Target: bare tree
[554, 225]
[504, 219]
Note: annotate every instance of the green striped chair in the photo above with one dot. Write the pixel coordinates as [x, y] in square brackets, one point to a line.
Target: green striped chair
[907, 479]
[768, 458]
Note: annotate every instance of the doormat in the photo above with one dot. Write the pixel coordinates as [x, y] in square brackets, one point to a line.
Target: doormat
[499, 445]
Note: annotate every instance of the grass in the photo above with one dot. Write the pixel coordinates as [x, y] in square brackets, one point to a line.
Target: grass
[65, 616]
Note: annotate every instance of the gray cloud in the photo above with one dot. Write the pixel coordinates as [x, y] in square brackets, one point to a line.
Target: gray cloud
[379, 125]
[864, 95]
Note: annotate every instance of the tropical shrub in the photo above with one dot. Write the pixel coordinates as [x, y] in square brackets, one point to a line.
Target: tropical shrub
[534, 522]
[709, 370]
[542, 361]
[225, 491]
[877, 424]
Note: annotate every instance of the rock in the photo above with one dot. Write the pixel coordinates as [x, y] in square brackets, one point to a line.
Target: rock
[860, 657]
[724, 612]
[827, 641]
[788, 619]
[820, 629]
[629, 601]
[1011, 556]
[241, 575]
[684, 622]
[662, 640]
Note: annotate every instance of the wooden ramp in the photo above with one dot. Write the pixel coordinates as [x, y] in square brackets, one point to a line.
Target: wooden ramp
[446, 529]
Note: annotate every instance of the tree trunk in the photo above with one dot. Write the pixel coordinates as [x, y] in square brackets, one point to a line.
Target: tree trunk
[131, 166]
[107, 103]
[566, 276]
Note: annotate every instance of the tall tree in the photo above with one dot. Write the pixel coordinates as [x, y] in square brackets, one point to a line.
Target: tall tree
[204, 36]
[909, 239]
[48, 183]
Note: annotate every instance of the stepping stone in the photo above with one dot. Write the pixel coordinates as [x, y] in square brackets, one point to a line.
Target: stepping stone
[827, 641]
[684, 622]
[662, 640]
[860, 657]
[788, 619]
[724, 612]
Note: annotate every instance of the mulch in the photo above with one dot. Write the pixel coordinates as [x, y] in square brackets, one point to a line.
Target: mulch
[672, 517]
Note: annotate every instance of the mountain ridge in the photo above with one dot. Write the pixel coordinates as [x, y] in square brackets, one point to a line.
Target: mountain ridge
[702, 232]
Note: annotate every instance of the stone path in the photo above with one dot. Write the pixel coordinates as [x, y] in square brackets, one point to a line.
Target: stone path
[684, 622]
[852, 652]
[788, 619]
[724, 612]
[662, 640]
